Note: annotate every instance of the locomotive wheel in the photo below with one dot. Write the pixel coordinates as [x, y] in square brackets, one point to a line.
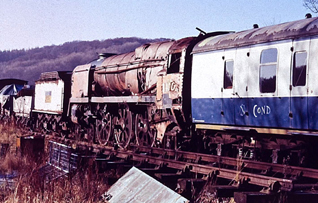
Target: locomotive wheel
[123, 128]
[143, 137]
[104, 129]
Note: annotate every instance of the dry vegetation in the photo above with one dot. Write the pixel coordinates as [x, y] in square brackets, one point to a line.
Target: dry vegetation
[32, 185]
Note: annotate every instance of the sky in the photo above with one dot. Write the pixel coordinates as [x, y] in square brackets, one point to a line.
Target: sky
[26, 24]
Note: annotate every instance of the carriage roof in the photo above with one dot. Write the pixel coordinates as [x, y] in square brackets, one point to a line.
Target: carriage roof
[290, 30]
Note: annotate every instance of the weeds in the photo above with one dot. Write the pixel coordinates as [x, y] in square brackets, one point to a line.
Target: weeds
[32, 185]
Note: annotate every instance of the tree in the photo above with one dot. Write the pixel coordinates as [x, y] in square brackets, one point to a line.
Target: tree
[312, 5]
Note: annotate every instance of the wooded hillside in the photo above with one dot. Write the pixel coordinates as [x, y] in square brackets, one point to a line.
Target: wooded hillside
[29, 64]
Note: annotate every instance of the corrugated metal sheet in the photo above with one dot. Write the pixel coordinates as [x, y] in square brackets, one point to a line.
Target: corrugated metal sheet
[289, 30]
[136, 186]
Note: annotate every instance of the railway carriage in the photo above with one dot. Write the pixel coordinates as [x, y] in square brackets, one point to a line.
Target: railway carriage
[261, 83]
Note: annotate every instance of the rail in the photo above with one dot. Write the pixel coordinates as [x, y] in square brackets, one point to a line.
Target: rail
[287, 178]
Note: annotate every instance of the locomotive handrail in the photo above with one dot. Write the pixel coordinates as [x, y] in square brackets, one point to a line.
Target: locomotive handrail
[127, 64]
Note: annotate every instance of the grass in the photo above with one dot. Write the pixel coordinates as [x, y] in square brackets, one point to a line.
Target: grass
[85, 185]
[64, 189]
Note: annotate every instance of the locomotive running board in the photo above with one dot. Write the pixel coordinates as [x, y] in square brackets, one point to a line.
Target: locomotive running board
[124, 99]
[255, 129]
[47, 112]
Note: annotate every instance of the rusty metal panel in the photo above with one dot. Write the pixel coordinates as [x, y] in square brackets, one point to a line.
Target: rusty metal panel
[136, 186]
[173, 85]
[80, 80]
[124, 99]
[112, 78]
[159, 91]
[169, 88]
[181, 44]
[54, 75]
[290, 30]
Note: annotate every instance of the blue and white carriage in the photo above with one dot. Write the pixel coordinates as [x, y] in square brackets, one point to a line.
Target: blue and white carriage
[264, 79]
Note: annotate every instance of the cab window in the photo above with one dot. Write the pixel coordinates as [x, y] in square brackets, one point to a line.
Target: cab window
[174, 63]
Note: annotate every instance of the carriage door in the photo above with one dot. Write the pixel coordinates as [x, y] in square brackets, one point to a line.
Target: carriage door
[227, 112]
[298, 85]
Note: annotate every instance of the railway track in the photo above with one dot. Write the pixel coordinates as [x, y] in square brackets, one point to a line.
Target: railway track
[180, 166]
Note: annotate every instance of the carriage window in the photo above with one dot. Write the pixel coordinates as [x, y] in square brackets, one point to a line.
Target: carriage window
[228, 74]
[267, 71]
[299, 69]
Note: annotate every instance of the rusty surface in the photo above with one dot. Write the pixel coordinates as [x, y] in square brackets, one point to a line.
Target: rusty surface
[80, 81]
[136, 186]
[134, 72]
[252, 178]
[190, 161]
[289, 30]
[54, 75]
[181, 44]
[124, 99]
[207, 158]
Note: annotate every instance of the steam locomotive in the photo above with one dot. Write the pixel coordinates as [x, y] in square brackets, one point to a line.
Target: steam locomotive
[251, 94]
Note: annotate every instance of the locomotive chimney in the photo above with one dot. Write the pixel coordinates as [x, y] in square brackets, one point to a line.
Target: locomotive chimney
[308, 15]
[105, 55]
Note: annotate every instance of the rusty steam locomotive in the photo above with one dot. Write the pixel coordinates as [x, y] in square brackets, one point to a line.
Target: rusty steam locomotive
[252, 94]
